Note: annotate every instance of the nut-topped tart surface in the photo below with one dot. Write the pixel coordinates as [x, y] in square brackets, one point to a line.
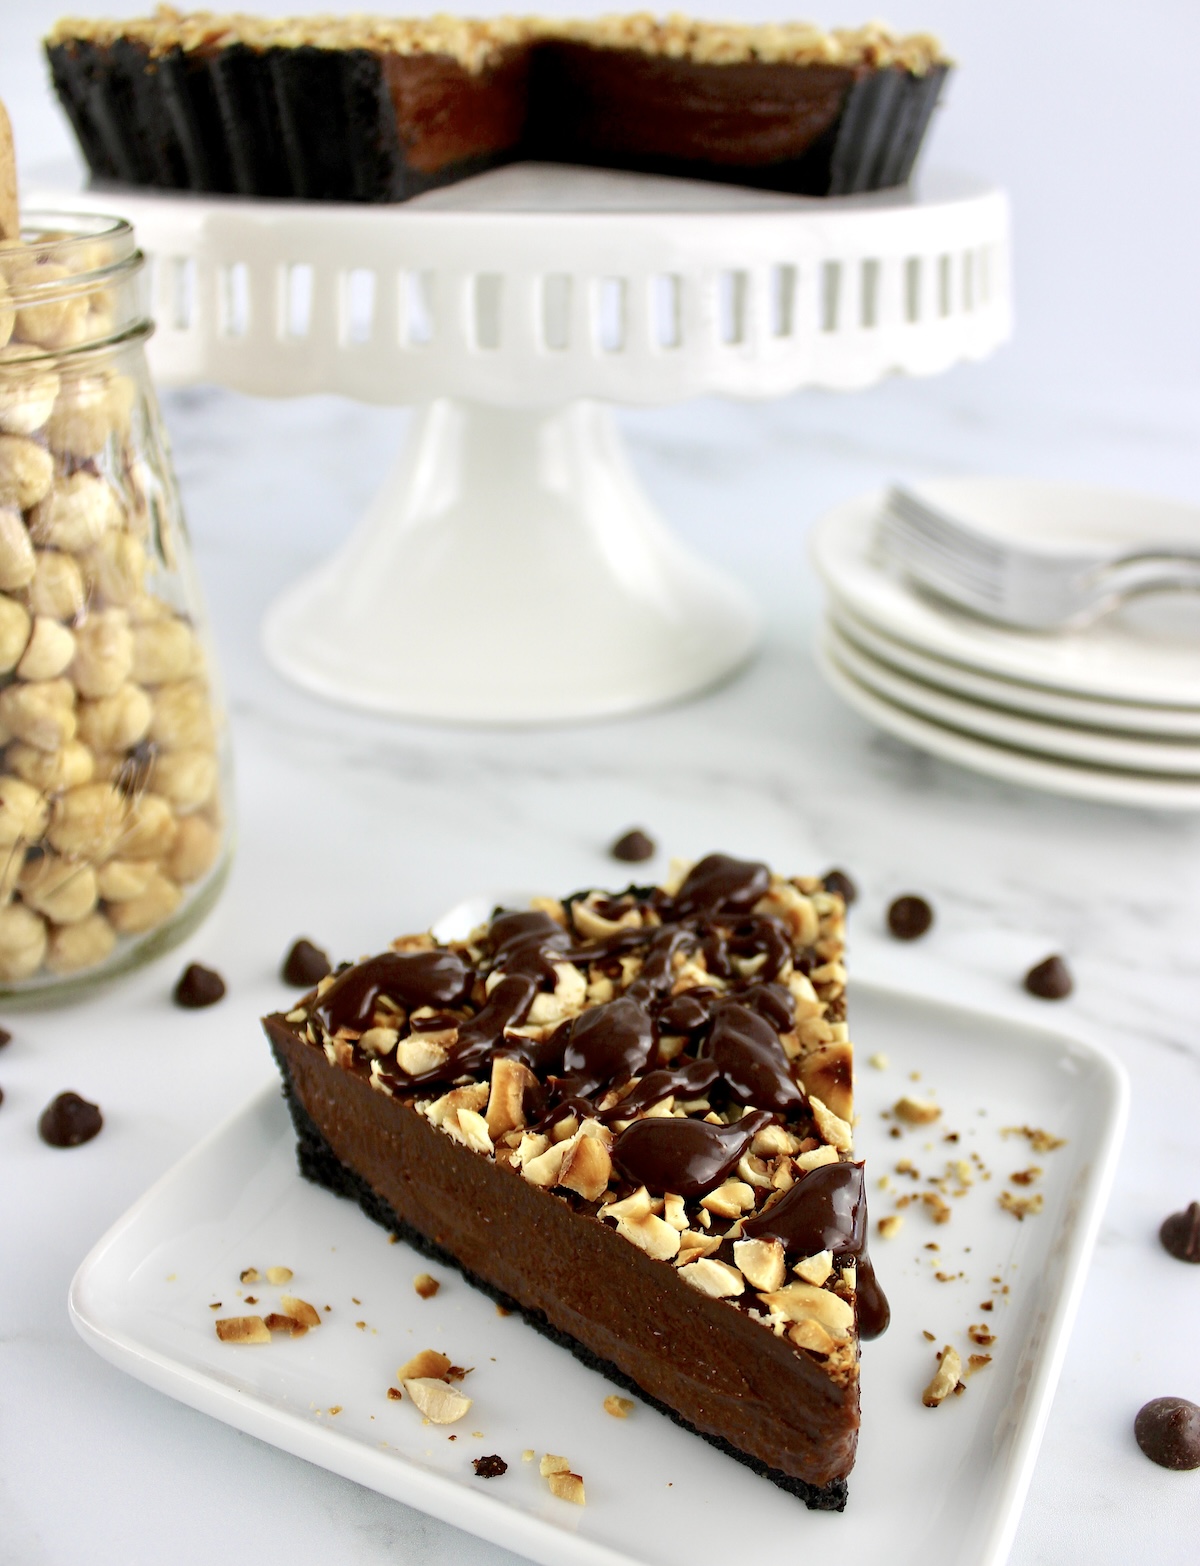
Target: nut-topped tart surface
[629, 1115]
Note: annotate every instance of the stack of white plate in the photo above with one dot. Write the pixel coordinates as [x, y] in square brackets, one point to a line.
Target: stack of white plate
[1110, 712]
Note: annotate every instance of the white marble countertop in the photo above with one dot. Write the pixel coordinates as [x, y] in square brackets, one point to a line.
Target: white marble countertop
[352, 829]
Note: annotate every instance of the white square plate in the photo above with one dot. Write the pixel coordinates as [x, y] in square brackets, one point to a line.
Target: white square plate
[932, 1487]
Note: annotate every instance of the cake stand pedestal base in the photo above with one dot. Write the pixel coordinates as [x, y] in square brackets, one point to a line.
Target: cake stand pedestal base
[511, 570]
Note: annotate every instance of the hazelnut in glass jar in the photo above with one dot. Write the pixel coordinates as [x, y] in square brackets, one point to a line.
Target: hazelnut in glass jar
[114, 768]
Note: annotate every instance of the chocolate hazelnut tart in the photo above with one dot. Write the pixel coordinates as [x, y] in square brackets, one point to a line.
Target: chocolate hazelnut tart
[626, 1115]
[359, 108]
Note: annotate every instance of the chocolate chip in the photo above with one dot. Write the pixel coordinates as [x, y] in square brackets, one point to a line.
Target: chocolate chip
[490, 1467]
[198, 987]
[305, 965]
[69, 1120]
[1168, 1431]
[1180, 1234]
[909, 917]
[1051, 979]
[5, 1037]
[634, 847]
[838, 881]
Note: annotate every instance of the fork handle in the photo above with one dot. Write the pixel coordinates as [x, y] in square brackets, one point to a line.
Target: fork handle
[1158, 554]
[1142, 573]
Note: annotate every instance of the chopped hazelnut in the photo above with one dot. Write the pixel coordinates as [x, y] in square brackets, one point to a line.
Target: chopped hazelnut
[506, 1097]
[815, 1269]
[567, 1487]
[762, 1262]
[428, 1363]
[945, 1378]
[836, 1131]
[715, 1278]
[916, 1111]
[242, 1329]
[303, 1312]
[586, 1167]
[426, 1285]
[799, 1302]
[440, 1403]
[729, 1200]
[618, 1407]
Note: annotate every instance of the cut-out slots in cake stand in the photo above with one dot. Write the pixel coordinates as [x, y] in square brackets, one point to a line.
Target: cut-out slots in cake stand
[511, 569]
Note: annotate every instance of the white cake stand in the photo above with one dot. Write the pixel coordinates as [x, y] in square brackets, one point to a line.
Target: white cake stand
[511, 569]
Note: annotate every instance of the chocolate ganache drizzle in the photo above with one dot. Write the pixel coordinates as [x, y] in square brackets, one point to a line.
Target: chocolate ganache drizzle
[725, 1047]
[826, 1210]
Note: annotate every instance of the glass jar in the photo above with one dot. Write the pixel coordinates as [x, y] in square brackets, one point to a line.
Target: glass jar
[114, 759]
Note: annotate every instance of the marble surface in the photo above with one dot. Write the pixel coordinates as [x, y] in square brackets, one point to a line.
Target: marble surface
[353, 828]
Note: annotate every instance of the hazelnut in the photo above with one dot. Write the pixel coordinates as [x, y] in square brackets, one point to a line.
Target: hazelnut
[183, 717]
[15, 626]
[57, 587]
[761, 1262]
[50, 649]
[800, 1302]
[83, 945]
[52, 771]
[567, 1487]
[945, 1378]
[300, 1310]
[57, 321]
[836, 1131]
[40, 712]
[188, 778]
[586, 1167]
[65, 890]
[164, 652]
[243, 1329]
[815, 1269]
[118, 722]
[28, 387]
[419, 1053]
[87, 821]
[828, 1071]
[506, 1100]
[89, 409]
[197, 844]
[16, 551]
[426, 1364]
[157, 903]
[26, 472]
[121, 880]
[715, 1278]
[103, 653]
[76, 514]
[730, 1199]
[115, 570]
[916, 1111]
[441, 1404]
[23, 812]
[22, 942]
[149, 828]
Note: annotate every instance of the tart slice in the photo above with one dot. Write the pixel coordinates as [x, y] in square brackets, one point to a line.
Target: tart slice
[628, 1116]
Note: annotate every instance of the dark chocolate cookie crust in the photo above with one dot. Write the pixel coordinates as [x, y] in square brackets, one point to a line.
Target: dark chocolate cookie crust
[320, 1164]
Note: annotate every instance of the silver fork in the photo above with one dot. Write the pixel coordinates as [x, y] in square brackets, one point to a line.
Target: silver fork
[1023, 587]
